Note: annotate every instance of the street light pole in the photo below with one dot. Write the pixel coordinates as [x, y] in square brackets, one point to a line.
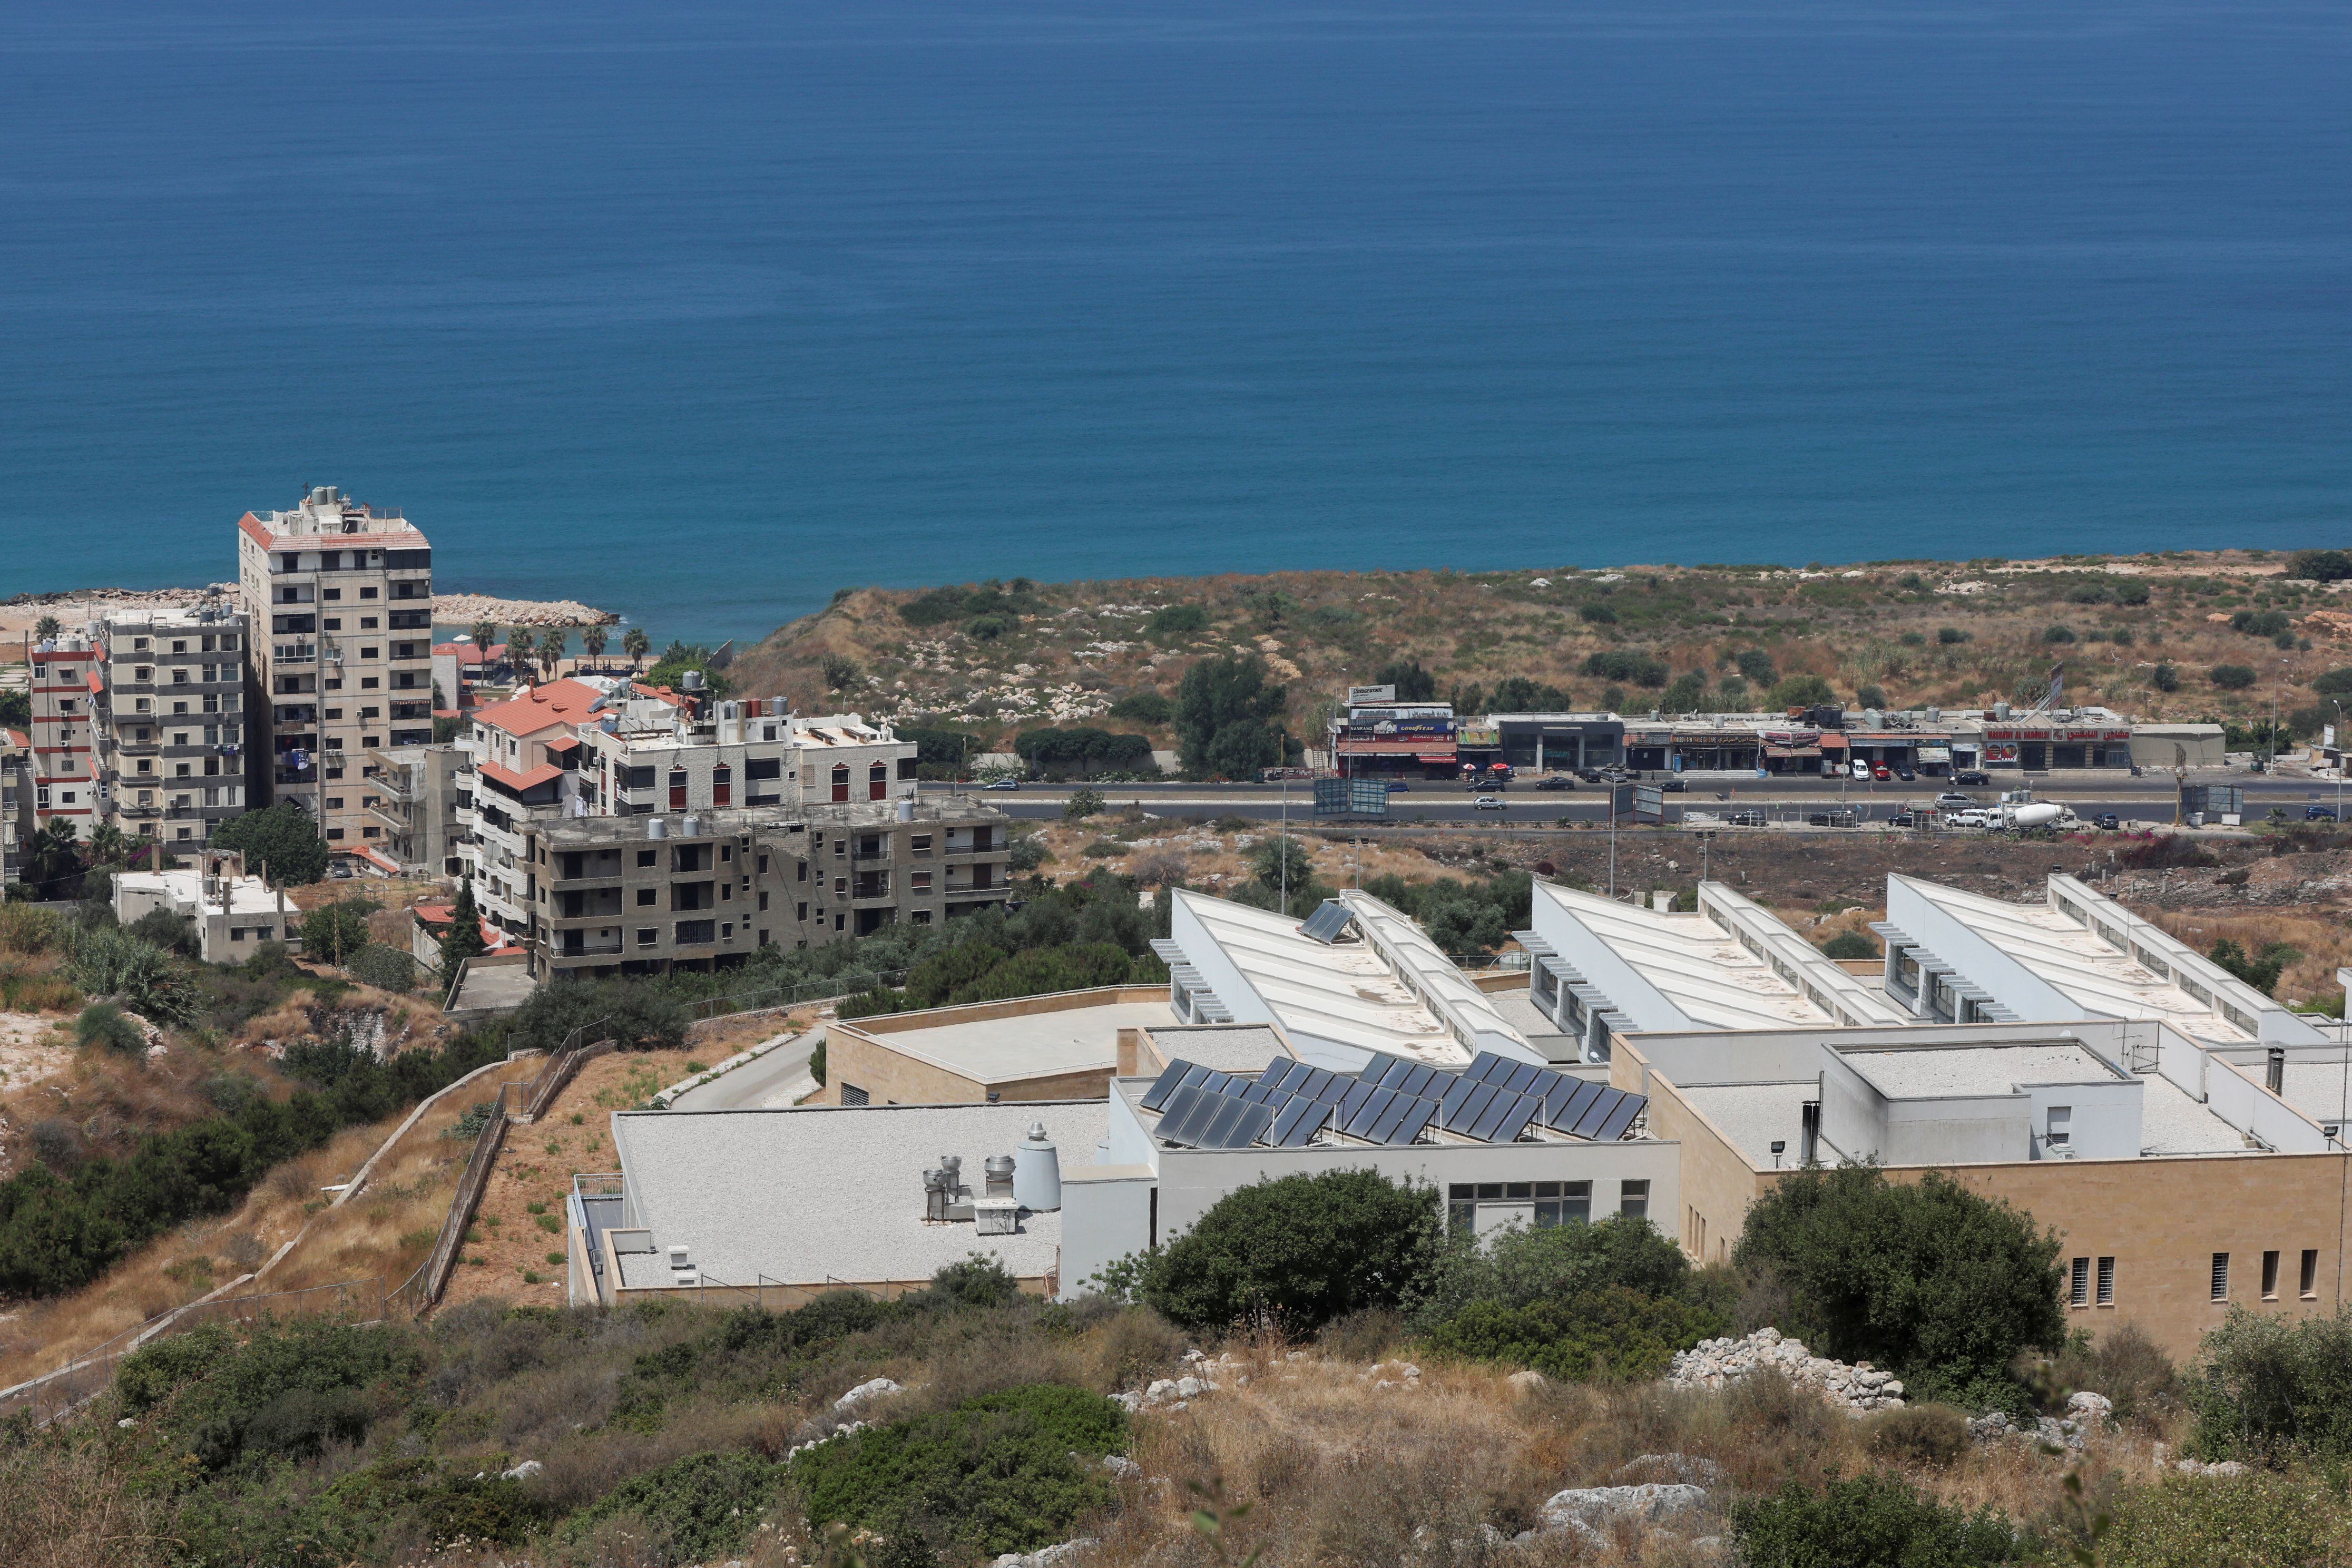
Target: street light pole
[1286, 822]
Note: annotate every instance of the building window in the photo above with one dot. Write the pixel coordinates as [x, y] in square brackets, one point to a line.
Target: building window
[801, 874]
[919, 844]
[2107, 1281]
[646, 897]
[841, 781]
[2061, 1125]
[722, 785]
[1557, 1202]
[853, 1095]
[877, 782]
[2270, 1276]
[764, 903]
[1633, 1200]
[697, 931]
[2221, 1277]
[920, 917]
[2310, 1281]
[677, 789]
[648, 936]
[2078, 1290]
[920, 881]
[802, 915]
[1461, 1207]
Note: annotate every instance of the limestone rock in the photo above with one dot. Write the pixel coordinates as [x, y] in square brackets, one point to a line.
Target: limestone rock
[874, 1389]
[1716, 1363]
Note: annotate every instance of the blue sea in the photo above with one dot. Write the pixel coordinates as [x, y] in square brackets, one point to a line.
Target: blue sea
[701, 311]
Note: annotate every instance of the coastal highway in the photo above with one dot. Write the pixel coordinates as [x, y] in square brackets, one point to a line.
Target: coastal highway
[2149, 800]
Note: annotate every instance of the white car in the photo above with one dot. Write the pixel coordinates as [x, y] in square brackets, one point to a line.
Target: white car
[1488, 803]
[1862, 770]
[1976, 818]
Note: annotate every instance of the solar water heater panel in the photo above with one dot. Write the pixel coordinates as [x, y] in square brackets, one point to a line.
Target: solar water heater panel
[1459, 1090]
[1181, 1105]
[1326, 924]
[1486, 1066]
[1463, 1114]
[1597, 1113]
[1414, 1122]
[1521, 1076]
[1505, 1119]
[1275, 1073]
[1295, 1124]
[1332, 1088]
[1348, 1104]
[1217, 1131]
[1564, 1113]
[1358, 1122]
[1621, 1119]
[1425, 1082]
[1376, 1069]
[1166, 1084]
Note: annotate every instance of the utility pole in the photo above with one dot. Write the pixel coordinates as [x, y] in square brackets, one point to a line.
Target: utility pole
[1285, 821]
[1613, 840]
[2339, 758]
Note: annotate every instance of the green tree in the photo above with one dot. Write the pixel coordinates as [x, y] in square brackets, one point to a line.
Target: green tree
[1083, 803]
[522, 651]
[2320, 565]
[486, 636]
[1687, 695]
[45, 628]
[1227, 717]
[1142, 708]
[53, 862]
[15, 709]
[1412, 683]
[1295, 1253]
[337, 933]
[463, 939]
[282, 838]
[1801, 691]
[1872, 1521]
[1925, 1277]
[1755, 665]
[592, 641]
[2164, 678]
[636, 644]
[2261, 971]
[2269, 1390]
[2232, 676]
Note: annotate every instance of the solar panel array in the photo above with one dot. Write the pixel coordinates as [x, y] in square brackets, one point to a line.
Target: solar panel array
[1493, 1100]
[1326, 922]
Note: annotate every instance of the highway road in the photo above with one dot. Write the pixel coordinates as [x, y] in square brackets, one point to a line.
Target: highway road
[2147, 800]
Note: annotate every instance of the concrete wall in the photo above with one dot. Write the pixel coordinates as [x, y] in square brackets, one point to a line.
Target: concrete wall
[1107, 1212]
[893, 1078]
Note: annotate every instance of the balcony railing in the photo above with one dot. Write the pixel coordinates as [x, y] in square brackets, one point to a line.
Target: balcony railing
[606, 949]
[295, 653]
[296, 775]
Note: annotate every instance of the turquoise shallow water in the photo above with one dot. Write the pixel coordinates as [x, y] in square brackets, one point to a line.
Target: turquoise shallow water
[702, 312]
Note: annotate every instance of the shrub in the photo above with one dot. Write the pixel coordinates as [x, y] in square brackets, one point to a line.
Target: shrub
[1687, 695]
[2240, 1521]
[2320, 565]
[2260, 623]
[1297, 1252]
[385, 968]
[2265, 1388]
[2261, 971]
[286, 1391]
[1060, 754]
[1952, 636]
[640, 1016]
[1010, 1471]
[1871, 695]
[1172, 621]
[1142, 708]
[1612, 1332]
[1801, 691]
[2232, 676]
[1619, 664]
[1925, 1277]
[1412, 683]
[1850, 944]
[109, 961]
[2132, 592]
[102, 1027]
[2057, 634]
[701, 1506]
[337, 933]
[1755, 665]
[1872, 1521]
[2164, 678]
[170, 930]
[1523, 1266]
[1917, 1434]
[1597, 612]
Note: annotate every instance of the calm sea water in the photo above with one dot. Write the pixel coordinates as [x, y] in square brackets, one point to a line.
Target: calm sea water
[703, 310]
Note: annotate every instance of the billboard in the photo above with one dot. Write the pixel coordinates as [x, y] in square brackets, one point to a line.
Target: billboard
[1649, 803]
[1351, 797]
[1370, 694]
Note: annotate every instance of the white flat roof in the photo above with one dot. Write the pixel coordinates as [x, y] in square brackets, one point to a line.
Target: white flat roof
[1693, 962]
[834, 1193]
[2077, 962]
[1933, 1072]
[1029, 1045]
[1225, 1048]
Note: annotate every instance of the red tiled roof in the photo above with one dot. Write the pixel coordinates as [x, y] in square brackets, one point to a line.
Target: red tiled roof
[564, 744]
[558, 703]
[546, 772]
[19, 739]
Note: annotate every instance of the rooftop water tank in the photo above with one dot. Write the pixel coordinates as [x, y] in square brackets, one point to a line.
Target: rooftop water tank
[1038, 1172]
[2001, 711]
[690, 827]
[906, 809]
[656, 828]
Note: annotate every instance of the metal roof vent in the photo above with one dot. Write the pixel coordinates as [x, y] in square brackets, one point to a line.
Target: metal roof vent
[999, 1172]
[1038, 1172]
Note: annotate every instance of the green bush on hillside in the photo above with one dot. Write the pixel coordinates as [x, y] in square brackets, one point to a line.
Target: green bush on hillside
[1612, 1332]
[1869, 1522]
[2258, 1520]
[2265, 1388]
[1010, 1471]
[695, 1508]
[1295, 1253]
[1927, 1277]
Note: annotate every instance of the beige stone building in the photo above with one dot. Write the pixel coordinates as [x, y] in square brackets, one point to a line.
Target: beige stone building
[339, 599]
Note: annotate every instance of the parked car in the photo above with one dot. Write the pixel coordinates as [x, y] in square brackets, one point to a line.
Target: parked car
[1590, 775]
[2108, 820]
[1976, 776]
[1953, 800]
[1748, 819]
[1557, 781]
[1488, 803]
[1672, 785]
[1398, 786]
[1906, 820]
[1903, 771]
[1973, 818]
[2319, 813]
[1001, 783]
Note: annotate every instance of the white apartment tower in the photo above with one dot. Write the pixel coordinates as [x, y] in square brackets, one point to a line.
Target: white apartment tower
[167, 721]
[339, 599]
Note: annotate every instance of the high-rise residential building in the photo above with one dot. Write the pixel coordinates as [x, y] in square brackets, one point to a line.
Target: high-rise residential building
[64, 686]
[340, 596]
[168, 721]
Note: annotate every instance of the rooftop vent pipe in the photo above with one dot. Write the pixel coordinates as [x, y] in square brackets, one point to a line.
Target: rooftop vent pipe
[2274, 1071]
[999, 1169]
[1809, 1145]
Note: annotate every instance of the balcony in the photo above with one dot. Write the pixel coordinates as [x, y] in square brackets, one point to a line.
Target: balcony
[308, 775]
[577, 944]
[870, 885]
[295, 653]
[871, 855]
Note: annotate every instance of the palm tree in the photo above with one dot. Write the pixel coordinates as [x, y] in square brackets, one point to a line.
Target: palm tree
[592, 642]
[520, 647]
[636, 644]
[484, 634]
[550, 650]
[45, 628]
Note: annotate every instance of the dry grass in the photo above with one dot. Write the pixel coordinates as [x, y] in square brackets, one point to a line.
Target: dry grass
[536, 1166]
[1202, 854]
[2320, 937]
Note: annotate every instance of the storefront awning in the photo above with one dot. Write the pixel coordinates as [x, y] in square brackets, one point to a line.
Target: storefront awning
[1435, 756]
[1793, 753]
[1935, 753]
[1832, 742]
[1351, 748]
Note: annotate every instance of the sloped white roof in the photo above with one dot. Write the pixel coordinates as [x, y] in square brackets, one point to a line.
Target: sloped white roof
[1693, 962]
